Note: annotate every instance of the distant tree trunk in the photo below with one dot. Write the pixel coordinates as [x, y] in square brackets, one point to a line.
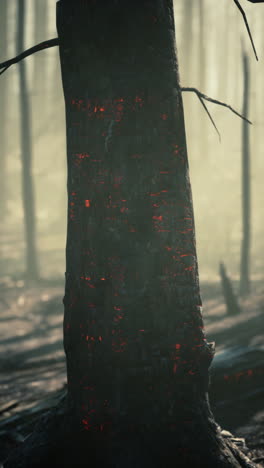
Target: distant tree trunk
[40, 34]
[26, 154]
[232, 307]
[202, 46]
[246, 195]
[202, 75]
[137, 358]
[3, 100]
[187, 40]
[223, 62]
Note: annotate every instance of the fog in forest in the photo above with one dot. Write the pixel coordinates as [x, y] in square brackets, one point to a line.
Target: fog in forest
[211, 40]
[210, 37]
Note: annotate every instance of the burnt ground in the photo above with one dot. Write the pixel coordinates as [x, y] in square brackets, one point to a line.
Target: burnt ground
[32, 363]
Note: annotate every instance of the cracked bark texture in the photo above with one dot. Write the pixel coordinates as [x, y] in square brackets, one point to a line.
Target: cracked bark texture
[133, 326]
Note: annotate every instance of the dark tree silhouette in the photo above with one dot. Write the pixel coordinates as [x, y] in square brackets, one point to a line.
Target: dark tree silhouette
[245, 248]
[137, 358]
[187, 39]
[222, 65]
[40, 33]
[3, 100]
[203, 137]
[26, 153]
[232, 306]
[202, 47]
[40, 68]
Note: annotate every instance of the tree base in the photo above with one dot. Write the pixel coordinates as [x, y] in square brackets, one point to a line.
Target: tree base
[54, 443]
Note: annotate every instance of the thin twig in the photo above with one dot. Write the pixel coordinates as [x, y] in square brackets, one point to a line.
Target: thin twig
[2, 71]
[214, 101]
[210, 117]
[37, 48]
[247, 26]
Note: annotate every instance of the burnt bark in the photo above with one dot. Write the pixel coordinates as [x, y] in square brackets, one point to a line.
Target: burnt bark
[137, 358]
[132, 301]
[26, 154]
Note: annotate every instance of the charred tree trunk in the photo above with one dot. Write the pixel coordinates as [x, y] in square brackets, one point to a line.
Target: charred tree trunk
[137, 358]
[26, 154]
[3, 100]
[246, 195]
[132, 302]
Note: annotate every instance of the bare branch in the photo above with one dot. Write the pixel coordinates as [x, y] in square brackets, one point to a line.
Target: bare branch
[2, 71]
[37, 48]
[210, 117]
[202, 96]
[247, 26]
[256, 1]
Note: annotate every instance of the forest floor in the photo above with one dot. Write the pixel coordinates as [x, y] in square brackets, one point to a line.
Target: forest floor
[32, 362]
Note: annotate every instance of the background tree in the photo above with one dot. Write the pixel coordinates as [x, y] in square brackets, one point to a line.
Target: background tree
[3, 100]
[26, 154]
[203, 137]
[245, 248]
[188, 38]
[40, 72]
[232, 306]
[40, 33]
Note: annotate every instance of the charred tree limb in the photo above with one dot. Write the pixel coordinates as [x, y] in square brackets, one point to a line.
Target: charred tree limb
[246, 22]
[215, 101]
[37, 48]
[210, 117]
[202, 96]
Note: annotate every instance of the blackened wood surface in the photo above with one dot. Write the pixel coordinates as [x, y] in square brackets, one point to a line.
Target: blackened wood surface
[133, 330]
